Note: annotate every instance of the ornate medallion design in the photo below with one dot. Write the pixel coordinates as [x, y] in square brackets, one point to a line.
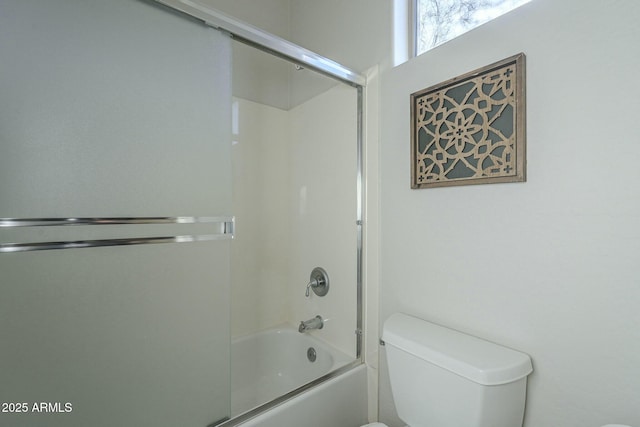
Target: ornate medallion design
[471, 129]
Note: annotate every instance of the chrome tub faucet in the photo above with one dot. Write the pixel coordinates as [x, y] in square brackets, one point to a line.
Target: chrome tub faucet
[307, 325]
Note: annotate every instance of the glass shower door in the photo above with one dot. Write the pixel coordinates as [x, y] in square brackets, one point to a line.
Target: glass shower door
[115, 216]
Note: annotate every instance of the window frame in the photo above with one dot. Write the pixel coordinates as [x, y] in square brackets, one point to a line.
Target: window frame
[412, 6]
[413, 28]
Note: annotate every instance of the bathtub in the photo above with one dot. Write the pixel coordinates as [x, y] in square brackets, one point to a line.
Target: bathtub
[272, 363]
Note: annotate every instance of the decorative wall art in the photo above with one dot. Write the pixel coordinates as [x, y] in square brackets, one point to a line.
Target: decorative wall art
[471, 129]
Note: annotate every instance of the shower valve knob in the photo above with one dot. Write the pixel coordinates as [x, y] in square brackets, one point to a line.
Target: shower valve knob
[318, 282]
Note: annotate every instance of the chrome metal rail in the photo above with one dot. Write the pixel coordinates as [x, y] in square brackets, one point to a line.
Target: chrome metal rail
[223, 228]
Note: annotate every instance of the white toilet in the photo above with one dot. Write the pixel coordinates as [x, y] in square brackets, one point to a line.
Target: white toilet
[444, 378]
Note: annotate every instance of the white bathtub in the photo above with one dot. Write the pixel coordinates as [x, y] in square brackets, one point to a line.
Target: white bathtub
[273, 362]
[338, 402]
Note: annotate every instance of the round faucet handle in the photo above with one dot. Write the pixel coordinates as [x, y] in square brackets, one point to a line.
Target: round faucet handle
[319, 282]
[312, 284]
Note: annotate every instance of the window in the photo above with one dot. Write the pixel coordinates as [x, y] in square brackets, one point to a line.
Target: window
[437, 21]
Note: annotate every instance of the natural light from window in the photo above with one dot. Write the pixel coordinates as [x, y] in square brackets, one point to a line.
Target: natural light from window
[438, 21]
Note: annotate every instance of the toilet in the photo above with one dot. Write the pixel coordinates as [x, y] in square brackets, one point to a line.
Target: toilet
[445, 378]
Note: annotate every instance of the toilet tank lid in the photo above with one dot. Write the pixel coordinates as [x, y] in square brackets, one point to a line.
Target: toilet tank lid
[478, 360]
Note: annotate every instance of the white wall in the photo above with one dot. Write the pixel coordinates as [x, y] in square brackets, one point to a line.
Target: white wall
[261, 199]
[294, 188]
[353, 33]
[270, 15]
[357, 34]
[258, 76]
[323, 212]
[549, 267]
[295, 204]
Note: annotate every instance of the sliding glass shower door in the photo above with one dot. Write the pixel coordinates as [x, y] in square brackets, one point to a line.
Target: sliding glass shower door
[115, 216]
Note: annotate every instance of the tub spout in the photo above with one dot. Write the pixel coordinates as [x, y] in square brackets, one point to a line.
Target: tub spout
[307, 325]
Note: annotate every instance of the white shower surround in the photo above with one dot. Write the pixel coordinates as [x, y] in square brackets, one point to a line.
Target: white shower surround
[295, 204]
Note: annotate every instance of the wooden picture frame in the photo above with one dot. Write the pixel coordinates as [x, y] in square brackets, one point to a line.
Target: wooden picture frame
[471, 129]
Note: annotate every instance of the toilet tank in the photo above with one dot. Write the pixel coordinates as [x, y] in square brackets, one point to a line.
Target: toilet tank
[445, 378]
